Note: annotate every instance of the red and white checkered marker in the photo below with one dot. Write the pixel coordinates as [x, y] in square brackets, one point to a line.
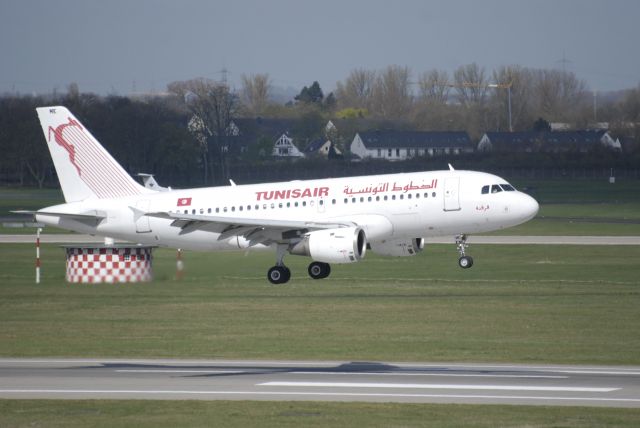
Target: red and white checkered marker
[109, 264]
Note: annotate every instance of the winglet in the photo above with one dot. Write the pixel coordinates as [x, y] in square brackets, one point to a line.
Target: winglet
[451, 168]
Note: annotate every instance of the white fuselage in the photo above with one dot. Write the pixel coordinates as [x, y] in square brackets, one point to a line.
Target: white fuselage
[394, 206]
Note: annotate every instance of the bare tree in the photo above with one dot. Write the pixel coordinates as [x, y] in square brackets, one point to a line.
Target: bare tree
[256, 89]
[471, 84]
[434, 86]
[213, 107]
[391, 95]
[521, 81]
[357, 90]
[559, 94]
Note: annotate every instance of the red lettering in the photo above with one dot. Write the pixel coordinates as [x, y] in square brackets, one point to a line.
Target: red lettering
[280, 194]
[259, 195]
[295, 193]
[323, 191]
[306, 193]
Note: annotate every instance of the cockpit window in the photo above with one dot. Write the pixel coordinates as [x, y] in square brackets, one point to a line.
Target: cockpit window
[507, 187]
[485, 189]
[495, 188]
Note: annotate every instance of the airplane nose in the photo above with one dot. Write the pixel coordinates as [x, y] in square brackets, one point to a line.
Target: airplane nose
[528, 207]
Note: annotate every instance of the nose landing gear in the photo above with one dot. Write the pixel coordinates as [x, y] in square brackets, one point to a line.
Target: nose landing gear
[465, 262]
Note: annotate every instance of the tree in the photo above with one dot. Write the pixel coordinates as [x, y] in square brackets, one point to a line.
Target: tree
[559, 95]
[391, 95]
[541, 125]
[522, 88]
[255, 92]
[471, 84]
[434, 86]
[311, 95]
[213, 106]
[357, 90]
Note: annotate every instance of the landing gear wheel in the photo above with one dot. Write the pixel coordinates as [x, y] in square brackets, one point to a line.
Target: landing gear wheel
[279, 274]
[465, 262]
[319, 270]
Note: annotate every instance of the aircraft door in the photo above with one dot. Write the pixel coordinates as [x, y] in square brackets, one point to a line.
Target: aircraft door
[452, 194]
[142, 223]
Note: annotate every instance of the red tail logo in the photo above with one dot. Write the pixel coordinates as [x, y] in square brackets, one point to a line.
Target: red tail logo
[57, 132]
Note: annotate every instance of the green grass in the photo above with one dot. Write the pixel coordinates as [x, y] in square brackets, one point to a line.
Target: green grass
[542, 304]
[69, 414]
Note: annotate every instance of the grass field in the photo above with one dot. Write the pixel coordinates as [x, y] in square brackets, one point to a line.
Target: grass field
[542, 304]
[131, 413]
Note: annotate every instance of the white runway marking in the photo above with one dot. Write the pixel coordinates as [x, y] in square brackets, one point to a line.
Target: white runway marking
[440, 386]
[603, 372]
[316, 394]
[182, 371]
[433, 374]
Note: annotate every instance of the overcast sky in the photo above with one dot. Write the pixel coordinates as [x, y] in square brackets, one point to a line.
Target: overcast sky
[117, 46]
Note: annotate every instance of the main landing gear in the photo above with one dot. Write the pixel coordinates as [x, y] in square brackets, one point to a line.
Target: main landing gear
[279, 274]
[465, 262]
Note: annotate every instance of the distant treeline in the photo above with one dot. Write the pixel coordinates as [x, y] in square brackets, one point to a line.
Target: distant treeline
[157, 135]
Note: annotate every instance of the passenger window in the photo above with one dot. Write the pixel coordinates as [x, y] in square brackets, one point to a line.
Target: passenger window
[485, 190]
[495, 188]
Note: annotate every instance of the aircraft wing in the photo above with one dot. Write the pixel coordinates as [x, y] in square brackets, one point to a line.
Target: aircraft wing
[256, 231]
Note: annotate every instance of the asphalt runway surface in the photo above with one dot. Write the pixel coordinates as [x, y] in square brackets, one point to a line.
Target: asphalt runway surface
[515, 239]
[320, 381]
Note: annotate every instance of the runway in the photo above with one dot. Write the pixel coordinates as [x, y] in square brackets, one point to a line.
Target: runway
[320, 381]
[479, 239]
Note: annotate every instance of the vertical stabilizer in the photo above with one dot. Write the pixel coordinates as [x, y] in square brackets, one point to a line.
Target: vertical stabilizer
[85, 169]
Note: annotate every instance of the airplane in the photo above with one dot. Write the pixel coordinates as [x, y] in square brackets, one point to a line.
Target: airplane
[335, 220]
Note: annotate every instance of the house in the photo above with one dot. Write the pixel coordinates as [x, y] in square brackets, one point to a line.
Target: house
[271, 135]
[526, 141]
[547, 141]
[401, 145]
[323, 147]
[284, 148]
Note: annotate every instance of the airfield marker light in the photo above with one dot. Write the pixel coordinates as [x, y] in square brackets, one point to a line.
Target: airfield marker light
[38, 255]
[179, 265]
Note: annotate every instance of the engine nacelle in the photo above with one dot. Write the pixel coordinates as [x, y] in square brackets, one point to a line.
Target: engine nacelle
[342, 245]
[398, 247]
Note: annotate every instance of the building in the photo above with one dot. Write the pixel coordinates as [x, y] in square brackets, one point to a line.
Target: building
[401, 145]
[547, 141]
[322, 147]
[284, 148]
[271, 135]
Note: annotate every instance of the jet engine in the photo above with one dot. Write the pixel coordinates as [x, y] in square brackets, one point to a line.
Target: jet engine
[398, 247]
[342, 245]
